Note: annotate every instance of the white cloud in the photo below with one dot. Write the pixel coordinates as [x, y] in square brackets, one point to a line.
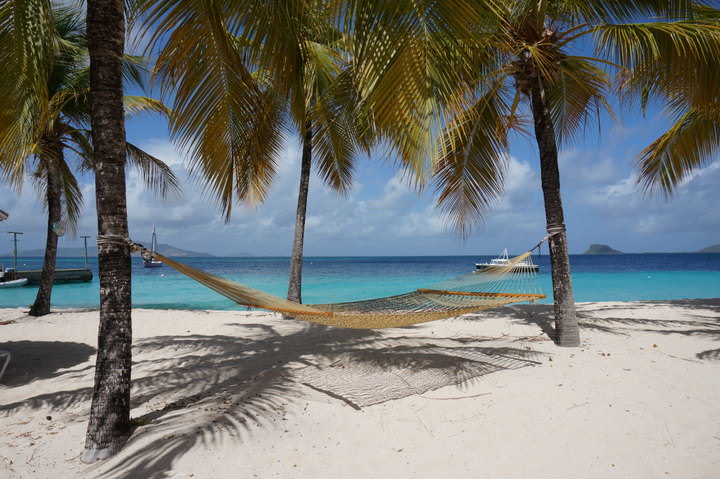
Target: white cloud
[586, 167]
[647, 223]
[383, 213]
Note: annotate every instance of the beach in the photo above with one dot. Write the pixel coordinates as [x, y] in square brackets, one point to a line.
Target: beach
[233, 394]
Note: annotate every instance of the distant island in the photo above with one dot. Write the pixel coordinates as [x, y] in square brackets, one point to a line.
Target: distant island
[169, 250]
[601, 249]
[711, 249]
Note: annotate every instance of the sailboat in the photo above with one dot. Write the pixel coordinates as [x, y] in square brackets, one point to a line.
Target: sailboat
[151, 262]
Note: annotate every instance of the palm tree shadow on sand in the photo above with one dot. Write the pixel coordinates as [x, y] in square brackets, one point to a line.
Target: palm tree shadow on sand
[212, 389]
[193, 390]
[615, 318]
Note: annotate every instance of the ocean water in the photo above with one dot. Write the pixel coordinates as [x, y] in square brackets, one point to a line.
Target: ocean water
[625, 277]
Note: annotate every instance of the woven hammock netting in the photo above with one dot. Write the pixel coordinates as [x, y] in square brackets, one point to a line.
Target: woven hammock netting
[491, 287]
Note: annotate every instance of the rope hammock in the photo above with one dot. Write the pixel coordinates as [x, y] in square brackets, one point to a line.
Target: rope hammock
[492, 287]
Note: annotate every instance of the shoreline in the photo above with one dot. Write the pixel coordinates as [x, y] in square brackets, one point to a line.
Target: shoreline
[221, 394]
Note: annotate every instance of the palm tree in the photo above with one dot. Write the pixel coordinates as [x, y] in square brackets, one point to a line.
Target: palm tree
[62, 124]
[532, 55]
[109, 424]
[259, 70]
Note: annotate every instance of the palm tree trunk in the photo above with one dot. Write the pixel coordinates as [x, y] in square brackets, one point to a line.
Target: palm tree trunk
[566, 327]
[109, 424]
[52, 160]
[296, 260]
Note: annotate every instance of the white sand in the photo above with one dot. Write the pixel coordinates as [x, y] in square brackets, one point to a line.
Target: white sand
[222, 395]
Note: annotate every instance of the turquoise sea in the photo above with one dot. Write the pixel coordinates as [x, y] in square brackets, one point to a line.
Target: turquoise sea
[625, 277]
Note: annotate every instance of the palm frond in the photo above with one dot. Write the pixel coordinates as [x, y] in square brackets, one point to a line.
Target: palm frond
[691, 143]
[196, 33]
[80, 142]
[469, 173]
[72, 197]
[157, 176]
[677, 59]
[577, 92]
[17, 143]
[677, 63]
[231, 163]
[27, 44]
[135, 71]
[334, 137]
[221, 117]
[409, 59]
[135, 104]
[613, 11]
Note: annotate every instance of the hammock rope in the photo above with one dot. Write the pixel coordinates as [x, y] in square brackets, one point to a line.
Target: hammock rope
[492, 287]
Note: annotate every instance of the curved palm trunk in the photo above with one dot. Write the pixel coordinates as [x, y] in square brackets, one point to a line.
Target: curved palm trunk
[566, 327]
[109, 424]
[41, 306]
[296, 260]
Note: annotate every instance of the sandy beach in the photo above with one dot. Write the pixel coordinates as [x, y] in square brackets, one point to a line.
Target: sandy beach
[248, 394]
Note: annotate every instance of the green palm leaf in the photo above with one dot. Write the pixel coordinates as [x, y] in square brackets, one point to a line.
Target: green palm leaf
[157, 176]
[692, 142]
[135, 105]
[469, 173]
[222, 117]
[677, 59]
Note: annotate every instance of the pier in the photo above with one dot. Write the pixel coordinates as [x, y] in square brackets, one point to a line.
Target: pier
[70, 275]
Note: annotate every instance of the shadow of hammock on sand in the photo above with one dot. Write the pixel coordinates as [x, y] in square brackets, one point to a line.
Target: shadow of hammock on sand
[207, 389]
[237, 384]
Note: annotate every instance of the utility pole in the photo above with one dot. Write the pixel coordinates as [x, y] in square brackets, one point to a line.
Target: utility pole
[15, 241]
[85, 238]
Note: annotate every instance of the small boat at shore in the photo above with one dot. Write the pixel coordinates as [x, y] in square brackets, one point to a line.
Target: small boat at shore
[15, 283]
[151, 262]
[6, 282]
[524, 266]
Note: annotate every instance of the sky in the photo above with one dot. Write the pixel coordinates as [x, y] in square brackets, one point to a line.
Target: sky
[384, 215]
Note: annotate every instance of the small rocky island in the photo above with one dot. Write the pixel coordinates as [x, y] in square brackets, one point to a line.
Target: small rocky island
[601, 249]
[711, 249]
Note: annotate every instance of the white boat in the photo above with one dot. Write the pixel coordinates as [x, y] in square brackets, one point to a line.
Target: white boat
[15, 283]
[10, 283]
[524, 266]
[151, 262]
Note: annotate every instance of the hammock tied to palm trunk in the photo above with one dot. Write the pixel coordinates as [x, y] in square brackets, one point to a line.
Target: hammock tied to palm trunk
[489, 288]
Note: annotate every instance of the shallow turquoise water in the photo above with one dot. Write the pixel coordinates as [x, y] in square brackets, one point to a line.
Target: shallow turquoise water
[625, 277]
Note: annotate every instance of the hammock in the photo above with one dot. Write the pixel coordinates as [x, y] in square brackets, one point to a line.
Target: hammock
[489, 288]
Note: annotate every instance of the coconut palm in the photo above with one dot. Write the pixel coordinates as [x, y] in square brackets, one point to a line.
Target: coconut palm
[109, 424]
[533, 57]
[40, 139]
[259, 70]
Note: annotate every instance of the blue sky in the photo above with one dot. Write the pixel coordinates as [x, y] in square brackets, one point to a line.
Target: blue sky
[384, 215]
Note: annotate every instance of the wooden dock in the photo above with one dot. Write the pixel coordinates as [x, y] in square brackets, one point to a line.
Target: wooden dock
[72, 275]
